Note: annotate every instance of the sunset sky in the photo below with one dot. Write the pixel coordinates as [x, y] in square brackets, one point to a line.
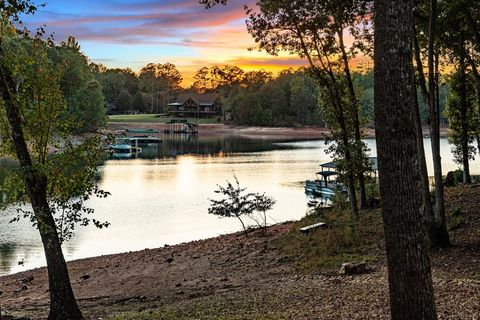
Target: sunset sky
[128, 33]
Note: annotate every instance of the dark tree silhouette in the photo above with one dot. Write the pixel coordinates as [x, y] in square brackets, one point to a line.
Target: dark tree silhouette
[411, 290]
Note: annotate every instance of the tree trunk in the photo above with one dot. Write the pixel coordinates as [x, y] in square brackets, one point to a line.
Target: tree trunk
[337, 104]
[440, 221]
[63, 305]
[463, 115]
[441, 238]
[356, 120]
[427, 200]
[62, 300]
[411, 290]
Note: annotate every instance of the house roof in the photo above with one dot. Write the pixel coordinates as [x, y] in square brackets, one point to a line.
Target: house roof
[205, 99]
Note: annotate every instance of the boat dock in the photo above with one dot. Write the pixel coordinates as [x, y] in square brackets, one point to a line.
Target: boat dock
[326, 183]
[180, 126]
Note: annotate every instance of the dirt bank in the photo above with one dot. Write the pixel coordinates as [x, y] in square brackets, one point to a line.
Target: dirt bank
[283, 133]
[233, 277]
[307, 133]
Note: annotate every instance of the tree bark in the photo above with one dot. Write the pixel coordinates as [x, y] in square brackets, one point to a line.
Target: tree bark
[63, 305]
[467, 179]
[427, 200]
[441, 237]
[411, 290]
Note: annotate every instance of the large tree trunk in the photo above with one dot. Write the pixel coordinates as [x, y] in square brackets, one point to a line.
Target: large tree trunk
[411, 290]
[441, 238]
[63, 305]
[356, 120]
[62, 300]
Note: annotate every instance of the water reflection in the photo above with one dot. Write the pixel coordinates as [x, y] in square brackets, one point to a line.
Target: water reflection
[173, 146]
[161, 197]
[7, 254]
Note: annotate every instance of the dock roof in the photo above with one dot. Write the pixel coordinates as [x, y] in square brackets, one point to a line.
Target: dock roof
[333, 164]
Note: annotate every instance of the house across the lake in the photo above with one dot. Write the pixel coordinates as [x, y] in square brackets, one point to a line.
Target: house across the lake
[196, 105]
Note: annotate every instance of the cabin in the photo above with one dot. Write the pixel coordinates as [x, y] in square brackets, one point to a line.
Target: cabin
[196, 105]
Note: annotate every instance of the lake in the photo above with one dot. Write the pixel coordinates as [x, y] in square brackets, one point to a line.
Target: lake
[162, 197]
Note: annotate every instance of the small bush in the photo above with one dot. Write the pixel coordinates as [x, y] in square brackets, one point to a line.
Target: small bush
[457, 219]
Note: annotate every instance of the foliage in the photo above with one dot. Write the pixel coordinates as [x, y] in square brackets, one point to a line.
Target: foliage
[249, 98]
[343, 240]
[217, 78]
[47, 125]
[153, 118]
[72, 180]
[290, 99]
[153, 86]
[138, 102]
[165, 74]
[238, 203]
[263, 203]
[124, 100]
[457, 219]
[302, 101]
[463, 124]
[83, 94]
[314, 30]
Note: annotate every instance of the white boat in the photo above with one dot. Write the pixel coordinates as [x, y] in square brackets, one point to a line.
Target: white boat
[324, 185]
[123, 151]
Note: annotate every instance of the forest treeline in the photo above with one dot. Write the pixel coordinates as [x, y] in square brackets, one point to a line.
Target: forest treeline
[290, 98]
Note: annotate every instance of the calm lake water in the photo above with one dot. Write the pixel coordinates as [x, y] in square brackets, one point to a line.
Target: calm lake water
[162, 196]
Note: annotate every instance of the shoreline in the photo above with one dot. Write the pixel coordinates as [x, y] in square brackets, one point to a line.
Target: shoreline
[130, 274]
[255, 277]
[254, 132]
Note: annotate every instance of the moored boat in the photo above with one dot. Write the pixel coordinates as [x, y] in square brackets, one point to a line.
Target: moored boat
[122, 151]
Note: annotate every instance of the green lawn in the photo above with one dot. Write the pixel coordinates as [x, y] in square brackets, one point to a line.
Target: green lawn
[150, 118]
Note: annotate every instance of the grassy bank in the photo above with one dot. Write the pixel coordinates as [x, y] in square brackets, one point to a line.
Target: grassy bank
[151, 118]
[324, 250]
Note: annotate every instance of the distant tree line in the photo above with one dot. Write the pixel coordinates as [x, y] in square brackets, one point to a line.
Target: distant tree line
[147, 91]
[290, 98]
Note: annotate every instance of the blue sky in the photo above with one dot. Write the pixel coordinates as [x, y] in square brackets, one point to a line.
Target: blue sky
[127, 33]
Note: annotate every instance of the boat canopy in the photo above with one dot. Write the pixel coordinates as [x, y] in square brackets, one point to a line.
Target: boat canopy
[332, 165]
[327, 173]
